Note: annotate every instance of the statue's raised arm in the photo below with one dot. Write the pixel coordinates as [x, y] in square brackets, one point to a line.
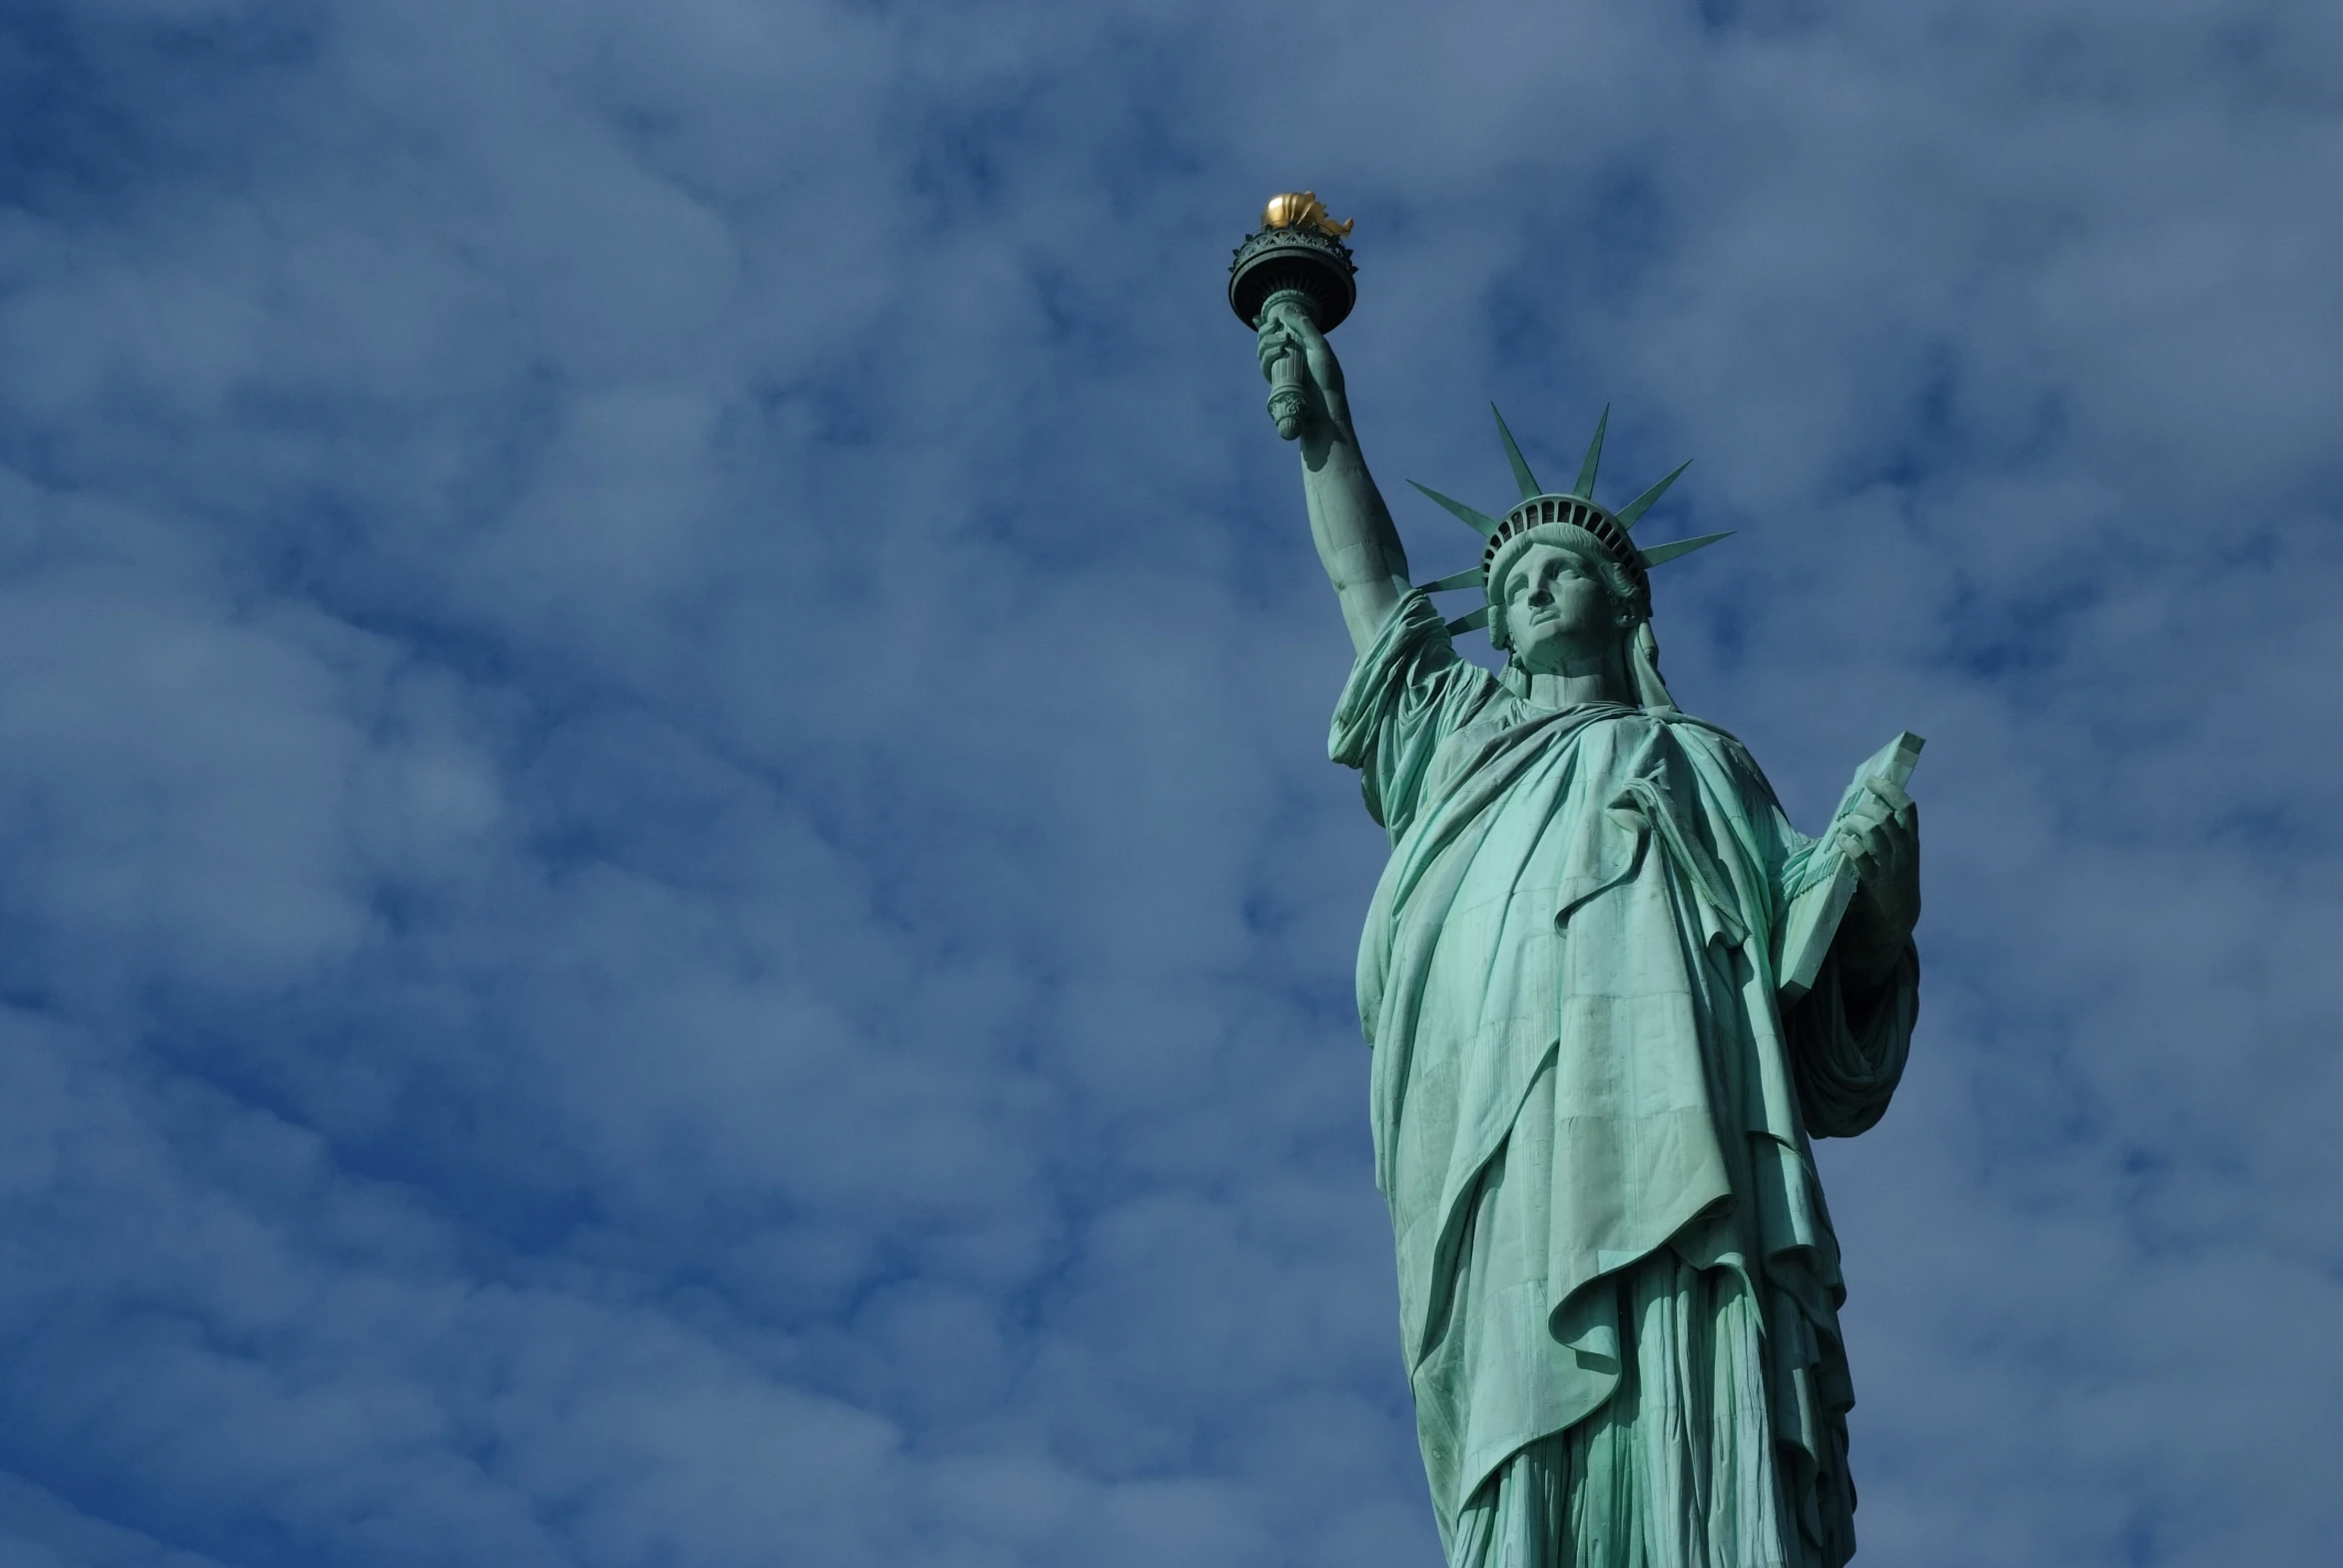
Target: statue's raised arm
[1356, 540]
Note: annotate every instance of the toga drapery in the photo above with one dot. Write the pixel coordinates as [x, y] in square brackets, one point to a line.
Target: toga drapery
[1619, 1285]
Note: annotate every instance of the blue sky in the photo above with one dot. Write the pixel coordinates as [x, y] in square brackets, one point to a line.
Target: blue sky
[669, 887]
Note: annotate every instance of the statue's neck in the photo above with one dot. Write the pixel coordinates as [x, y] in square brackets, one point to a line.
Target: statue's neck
[1601, 680]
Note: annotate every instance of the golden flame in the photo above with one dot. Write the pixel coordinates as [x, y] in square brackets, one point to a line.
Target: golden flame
[1302, 210]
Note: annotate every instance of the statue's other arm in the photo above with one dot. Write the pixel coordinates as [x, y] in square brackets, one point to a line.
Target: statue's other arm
[1356, 540]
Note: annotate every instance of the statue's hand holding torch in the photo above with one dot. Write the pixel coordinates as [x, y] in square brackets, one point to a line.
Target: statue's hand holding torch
[1305, 379]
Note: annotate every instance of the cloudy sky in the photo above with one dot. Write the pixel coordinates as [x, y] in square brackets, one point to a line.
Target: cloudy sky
[669, 892]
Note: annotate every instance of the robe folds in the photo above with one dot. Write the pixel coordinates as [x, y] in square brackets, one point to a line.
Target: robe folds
[1619, 1286]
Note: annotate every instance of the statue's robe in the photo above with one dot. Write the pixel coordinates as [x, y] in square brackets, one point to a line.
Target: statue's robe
[1619, 1285]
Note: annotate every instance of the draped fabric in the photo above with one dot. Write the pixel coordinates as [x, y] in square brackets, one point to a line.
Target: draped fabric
[1619, 1286]
[1674, 1468]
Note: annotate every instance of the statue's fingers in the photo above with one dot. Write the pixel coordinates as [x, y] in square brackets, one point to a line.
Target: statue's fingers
[1296, 323]
[1867, 811]
[1888, 793]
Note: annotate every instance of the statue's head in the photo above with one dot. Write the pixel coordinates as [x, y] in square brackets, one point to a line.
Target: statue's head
[1560, 602]
[1562, 580]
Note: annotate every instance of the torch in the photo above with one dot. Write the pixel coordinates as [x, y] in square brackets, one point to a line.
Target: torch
[1296, 257]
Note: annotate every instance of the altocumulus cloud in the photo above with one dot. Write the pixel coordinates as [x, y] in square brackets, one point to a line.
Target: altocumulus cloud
[667, 887]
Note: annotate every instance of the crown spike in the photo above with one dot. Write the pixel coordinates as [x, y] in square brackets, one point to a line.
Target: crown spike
[1471, 577]
[1584, 490]
[1661, 554]
[1473, 622]
[1479, 521]
[1521, 474]
[1632, 513]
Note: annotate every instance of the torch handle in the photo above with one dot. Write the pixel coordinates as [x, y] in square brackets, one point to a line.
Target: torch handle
[1289, 395]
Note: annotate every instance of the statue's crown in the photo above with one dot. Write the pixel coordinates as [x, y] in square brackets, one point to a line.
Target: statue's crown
[1541, 509]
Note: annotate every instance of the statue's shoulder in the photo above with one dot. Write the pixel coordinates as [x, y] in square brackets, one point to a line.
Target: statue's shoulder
[1692, 731]
[1720, 746]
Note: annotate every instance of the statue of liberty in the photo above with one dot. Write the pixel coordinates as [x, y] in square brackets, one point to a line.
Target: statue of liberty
[1593, 1086]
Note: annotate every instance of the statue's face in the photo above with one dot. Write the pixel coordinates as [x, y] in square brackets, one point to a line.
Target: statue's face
[1558, 615]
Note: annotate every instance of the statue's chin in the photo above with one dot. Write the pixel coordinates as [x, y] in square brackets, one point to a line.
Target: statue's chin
[1556, 652]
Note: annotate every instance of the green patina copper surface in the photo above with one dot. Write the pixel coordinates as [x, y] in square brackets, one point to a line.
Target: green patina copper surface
[1593, 1098]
